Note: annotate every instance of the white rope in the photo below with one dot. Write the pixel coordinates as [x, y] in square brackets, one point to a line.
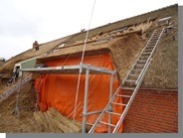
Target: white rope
[87, 33]
[82, 59]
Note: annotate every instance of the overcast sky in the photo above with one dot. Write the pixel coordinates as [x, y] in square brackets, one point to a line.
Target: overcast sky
[24, 21]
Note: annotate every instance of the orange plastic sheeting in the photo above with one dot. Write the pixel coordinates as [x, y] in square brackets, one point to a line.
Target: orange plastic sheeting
[59, 91]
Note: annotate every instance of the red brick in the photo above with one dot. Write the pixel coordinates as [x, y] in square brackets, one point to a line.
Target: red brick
[153, 112]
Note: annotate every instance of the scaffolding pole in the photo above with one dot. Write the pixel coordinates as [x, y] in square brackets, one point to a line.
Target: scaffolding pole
[74, 69]
[85, 108]
[85, 105]
[110, 107]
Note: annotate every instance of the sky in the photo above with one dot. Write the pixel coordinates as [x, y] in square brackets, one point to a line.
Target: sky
[24, 21]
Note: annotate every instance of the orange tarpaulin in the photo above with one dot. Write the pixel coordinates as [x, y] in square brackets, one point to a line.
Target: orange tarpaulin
[59, 90]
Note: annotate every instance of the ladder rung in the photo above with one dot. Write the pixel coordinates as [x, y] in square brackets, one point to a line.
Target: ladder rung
[148, 50]
[146, 53]
[93, 112]
[107, 123]
[118, 103]
[150, 47]
[154, 39]
[113, 113]
[134, 76]
[125, 96]
[157, 32]
[152, 42]
[137, 70]
[127, 88]
[142, 60]
[139, 65]
[130, 81]
[144, 56]
[155, 36]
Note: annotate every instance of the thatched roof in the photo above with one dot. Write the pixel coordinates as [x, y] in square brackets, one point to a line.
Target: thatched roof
[92, 46]
[8, 66]
[163, 70]
[125, 48]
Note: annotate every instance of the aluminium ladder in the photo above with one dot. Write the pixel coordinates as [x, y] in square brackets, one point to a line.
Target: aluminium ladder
[18, 107]
[13, 88]
[131, 82]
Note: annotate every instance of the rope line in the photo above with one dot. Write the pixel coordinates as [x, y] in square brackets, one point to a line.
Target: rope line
[82, 59]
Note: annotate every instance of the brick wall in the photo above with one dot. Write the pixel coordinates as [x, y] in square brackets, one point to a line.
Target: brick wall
[153, 112]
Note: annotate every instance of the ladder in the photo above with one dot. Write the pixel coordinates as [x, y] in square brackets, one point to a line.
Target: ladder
[13, 77]
[20, 95]
[131, 82]
[13, 89]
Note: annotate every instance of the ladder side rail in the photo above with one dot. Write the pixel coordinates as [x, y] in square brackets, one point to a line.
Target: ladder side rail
[135, 91]
[140, 78]
[14, 88]
[18, 97]
[129, 102]
[149, 58]
[137, 59]
[105, 109]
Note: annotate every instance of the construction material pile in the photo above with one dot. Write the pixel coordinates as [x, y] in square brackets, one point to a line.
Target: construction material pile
[53, 121]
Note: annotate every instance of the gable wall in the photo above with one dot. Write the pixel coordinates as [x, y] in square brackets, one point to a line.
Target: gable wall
[153, 111]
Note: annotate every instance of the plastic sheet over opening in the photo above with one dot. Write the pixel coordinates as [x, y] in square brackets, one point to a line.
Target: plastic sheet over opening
[59, 90]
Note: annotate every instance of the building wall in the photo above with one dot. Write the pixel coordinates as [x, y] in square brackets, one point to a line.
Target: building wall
[153, 111]
[29, 64]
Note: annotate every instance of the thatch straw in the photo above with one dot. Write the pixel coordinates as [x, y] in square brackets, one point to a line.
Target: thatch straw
[11, 124]
[163, 71]
[7, 68]
[124, 53]
[53, 121]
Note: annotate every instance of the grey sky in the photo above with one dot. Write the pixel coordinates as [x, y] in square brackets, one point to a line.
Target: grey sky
[24, 21]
